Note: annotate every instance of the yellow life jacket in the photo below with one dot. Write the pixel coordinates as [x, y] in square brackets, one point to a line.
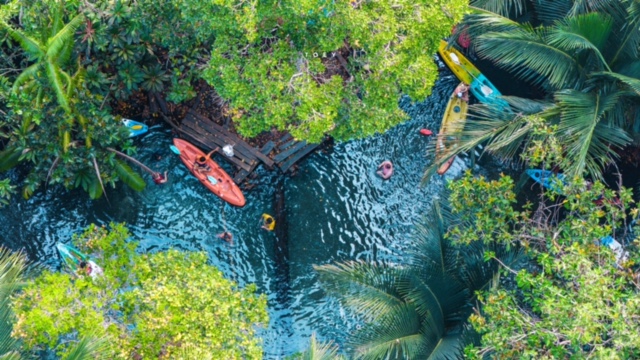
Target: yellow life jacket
[268, 222]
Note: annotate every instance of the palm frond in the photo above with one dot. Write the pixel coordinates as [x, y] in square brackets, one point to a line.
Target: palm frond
[53, 73]
[584, 32]
[12, 268]
[590, 142]
[526, 53]
[632, 82]
[28, 44]
[26, 75]
[481, 21]
[631, 69]
[395, 335]
[90, 348]
[13, 355]
[368, 289]
[442, 300]
[56, 44]
[448, 347]
[501, 7]
[320, 351]
[549, 11]
[628, 36]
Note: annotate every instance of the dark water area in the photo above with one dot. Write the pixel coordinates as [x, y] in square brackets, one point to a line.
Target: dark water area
[336, 208]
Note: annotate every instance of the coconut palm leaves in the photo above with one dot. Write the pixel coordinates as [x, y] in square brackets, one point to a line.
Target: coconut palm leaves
[49, 57]
[320, 351]
[585, 55]
[416, 311]
[12, 267]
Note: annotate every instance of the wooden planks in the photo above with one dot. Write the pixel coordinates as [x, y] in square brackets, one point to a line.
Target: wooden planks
[285, 165]
[207, 134]
[221, 133]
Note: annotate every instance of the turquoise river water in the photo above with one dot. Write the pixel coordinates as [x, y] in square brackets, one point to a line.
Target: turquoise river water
[337, 209]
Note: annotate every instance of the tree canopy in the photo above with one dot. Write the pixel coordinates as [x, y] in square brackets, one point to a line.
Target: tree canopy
[168, 304]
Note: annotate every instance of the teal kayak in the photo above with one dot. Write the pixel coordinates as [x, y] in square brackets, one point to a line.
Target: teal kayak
[487, 93]
[71, 257]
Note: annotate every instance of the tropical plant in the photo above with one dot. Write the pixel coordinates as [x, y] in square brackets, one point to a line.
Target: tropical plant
[576, 298]
[584, 54]
[12, 269]
[148, 306]
[416, 311]
[54, 122]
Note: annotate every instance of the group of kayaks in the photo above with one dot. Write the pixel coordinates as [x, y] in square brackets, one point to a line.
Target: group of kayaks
[472, 80]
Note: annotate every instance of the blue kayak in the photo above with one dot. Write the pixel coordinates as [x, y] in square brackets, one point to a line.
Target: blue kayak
[135, 127]
[486, 92]
[548, 179]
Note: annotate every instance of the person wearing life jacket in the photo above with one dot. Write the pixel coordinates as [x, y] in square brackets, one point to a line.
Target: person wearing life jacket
[268, 222]
[200, 165]
[462, 92]
[385, 170]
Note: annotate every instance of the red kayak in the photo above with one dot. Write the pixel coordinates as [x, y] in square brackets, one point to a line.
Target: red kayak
[210, 174]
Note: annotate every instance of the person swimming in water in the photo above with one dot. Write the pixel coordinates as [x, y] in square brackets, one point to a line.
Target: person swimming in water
[385, 170]
[159, 178]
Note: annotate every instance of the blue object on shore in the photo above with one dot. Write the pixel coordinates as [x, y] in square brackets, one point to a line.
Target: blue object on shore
[486, 92]
[548, 179]
[135, 127]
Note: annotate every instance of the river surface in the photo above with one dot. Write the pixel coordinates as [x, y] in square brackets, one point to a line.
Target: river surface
[336, 207]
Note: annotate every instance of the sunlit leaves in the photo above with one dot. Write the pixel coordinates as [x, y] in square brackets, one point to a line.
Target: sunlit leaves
[148, 306]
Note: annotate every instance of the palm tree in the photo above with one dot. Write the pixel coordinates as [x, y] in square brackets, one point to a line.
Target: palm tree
[585, 55]
[416, 311]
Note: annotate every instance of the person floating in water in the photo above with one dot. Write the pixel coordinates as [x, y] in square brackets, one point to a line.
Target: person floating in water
[226, 236]
[159, 178]
[268, 223]
[385, 169]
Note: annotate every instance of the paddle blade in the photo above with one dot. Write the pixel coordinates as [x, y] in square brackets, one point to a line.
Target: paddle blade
[174, 149]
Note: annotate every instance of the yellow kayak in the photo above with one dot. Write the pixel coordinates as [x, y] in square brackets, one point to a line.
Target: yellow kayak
[452, 122]
[463, 69]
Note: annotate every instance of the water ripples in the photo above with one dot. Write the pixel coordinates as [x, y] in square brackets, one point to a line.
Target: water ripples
[337, 208]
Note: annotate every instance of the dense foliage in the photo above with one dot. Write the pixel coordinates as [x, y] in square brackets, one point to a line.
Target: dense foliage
[279, 63]
[309, 67]
[149, 306]
[576, 299]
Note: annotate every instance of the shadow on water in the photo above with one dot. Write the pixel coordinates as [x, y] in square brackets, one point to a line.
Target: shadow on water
[334, 209]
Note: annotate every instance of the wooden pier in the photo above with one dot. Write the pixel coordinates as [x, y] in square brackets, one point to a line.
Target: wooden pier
[208, 135]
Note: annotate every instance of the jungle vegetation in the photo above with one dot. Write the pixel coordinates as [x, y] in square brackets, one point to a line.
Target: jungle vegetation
[310, 67]
[169, 304]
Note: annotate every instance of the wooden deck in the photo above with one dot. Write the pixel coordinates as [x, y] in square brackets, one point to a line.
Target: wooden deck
[208, 135]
